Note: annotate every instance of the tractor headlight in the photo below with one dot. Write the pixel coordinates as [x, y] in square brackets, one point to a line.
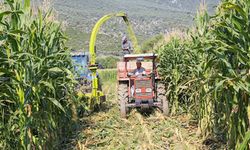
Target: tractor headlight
[138, 90]
[148, 90]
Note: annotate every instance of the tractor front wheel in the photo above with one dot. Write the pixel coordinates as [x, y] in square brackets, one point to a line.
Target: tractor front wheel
[123, 98]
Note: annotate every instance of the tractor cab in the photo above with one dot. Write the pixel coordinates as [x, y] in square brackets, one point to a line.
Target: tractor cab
[140, 89]
[80, 62]
[82, 73]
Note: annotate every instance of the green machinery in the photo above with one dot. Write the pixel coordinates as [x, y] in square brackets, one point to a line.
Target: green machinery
[96, 95]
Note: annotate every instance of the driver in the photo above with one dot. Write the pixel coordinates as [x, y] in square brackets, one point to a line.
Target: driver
[139, 71]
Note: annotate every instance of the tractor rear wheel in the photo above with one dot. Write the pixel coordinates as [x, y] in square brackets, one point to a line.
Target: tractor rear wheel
[123, 98]
[161, 97]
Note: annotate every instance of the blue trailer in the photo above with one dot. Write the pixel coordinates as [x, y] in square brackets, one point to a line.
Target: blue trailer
[85, 78]
[81, 61]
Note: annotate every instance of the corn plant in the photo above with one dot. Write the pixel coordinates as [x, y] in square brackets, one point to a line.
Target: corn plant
[228, 49]
[179, 65]
[36, 82]
[218, 75]
[108, 75]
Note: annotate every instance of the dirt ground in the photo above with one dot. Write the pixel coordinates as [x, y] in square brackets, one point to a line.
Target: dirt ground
[106, 130]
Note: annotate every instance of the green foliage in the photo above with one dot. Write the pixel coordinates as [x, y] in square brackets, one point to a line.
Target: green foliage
[213, 62]
[228, 49]
[176, 64]
[149, 44]
[108, 62]
[245, 142]
[108, 75]
[36, 83]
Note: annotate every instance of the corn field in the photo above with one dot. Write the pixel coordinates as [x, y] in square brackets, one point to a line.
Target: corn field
[207, 73]
[108, 75]
[36, 83]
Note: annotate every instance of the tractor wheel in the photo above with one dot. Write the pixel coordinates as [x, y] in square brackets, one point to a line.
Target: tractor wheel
[123, 98]
[161, 97]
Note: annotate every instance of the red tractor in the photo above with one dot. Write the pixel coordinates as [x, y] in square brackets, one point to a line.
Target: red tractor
[143, 91]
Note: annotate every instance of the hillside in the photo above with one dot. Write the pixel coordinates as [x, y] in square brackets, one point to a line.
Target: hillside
[149, 18]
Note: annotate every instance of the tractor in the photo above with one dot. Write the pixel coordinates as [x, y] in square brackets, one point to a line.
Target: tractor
[148, 90]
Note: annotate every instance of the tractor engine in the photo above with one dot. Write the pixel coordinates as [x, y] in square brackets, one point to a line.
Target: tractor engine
[143, 89]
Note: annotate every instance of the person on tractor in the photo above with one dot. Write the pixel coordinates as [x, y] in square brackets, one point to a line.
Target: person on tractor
[138, 72]
[126, 46]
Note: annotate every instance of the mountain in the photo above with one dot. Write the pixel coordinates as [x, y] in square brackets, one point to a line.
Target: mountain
[149, 18]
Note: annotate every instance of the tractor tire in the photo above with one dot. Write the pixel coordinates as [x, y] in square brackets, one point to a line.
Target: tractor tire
[123, 98]
[161, 97]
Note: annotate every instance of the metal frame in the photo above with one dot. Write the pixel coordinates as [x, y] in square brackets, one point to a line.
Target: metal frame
[92, 49]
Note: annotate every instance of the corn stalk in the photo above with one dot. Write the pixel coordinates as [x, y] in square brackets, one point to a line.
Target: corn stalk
[219, 75]
[36, 83]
